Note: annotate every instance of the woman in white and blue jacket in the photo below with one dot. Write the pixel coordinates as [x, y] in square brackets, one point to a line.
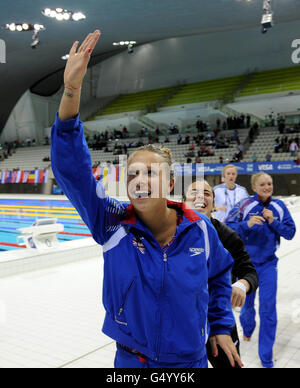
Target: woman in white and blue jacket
[261, 221]
[166, 275]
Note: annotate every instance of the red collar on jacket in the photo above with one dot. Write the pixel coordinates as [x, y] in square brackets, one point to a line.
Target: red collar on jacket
[266, 202]
[188, 213]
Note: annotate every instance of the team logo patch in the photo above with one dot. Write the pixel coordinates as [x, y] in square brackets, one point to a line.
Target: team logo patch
[196, 251]
[139, 245]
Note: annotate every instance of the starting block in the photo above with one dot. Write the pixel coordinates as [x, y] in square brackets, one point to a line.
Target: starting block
[41, 235]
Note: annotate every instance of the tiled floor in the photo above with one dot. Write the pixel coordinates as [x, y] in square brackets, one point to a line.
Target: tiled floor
[52, 318]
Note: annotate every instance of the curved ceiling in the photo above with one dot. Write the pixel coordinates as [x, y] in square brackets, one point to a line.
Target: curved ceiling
[144, 21]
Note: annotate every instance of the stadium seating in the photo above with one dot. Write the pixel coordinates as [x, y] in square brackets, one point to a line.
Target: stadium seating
[136, 101]
[264, 82]
[273, 81]
[27, 158]
[204, 91]
[264, 144]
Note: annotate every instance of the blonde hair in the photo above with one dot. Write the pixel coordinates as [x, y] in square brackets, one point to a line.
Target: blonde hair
[256, 176]
[164, 152]
[226, 168]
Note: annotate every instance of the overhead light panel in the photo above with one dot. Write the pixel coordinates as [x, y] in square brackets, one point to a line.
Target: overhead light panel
[23, 27]
[61, 14]
[124, 43]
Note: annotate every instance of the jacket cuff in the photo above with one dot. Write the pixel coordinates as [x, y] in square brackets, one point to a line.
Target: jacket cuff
[67, 125]
[216, 330]
[245, 226]
[275, 225]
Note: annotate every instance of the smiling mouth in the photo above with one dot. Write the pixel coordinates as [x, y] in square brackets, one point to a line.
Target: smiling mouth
[142, 194]
[200, 206]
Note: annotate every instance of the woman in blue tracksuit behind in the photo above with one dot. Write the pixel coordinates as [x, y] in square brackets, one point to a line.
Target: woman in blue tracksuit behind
[261, 221]
[166, 285]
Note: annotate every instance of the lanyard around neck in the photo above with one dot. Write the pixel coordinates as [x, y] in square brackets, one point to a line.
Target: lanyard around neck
[228, 200]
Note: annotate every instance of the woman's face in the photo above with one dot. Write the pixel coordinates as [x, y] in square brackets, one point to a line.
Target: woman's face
[230, 176]
[148, 181]
[200, 197]
[264, 187]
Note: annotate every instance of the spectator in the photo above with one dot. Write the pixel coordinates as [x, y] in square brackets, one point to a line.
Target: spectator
[276, 147]
[293, 148]
[248, 118]
[254, 158]
[268, 158]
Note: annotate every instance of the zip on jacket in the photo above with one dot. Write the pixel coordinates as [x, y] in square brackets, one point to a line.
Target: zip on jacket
[163, 306]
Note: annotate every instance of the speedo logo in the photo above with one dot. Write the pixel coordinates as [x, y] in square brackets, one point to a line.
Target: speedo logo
[196, 251]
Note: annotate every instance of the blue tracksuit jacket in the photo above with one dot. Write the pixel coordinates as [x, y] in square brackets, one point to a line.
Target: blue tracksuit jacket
[261, 241]
[160, 303]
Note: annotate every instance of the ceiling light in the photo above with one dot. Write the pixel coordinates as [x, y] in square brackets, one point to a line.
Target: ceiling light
[77, 16]
[129, 43]
[23, 27]
[62, 14]
[47, 11]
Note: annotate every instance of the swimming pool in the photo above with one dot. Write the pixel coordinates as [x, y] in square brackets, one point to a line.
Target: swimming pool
[21, 213]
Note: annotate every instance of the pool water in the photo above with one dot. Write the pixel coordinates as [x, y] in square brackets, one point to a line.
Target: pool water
[18, 213]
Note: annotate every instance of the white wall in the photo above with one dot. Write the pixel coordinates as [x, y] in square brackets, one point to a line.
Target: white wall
[21, 123]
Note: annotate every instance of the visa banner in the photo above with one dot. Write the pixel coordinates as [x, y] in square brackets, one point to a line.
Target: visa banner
[281, 167]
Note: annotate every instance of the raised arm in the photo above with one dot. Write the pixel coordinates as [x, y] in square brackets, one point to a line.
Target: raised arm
[70, 156]
[74, 74]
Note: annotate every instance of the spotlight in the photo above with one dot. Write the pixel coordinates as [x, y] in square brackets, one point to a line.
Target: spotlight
[267, 17]
[35, 43]
[130, 48]
[35, 40]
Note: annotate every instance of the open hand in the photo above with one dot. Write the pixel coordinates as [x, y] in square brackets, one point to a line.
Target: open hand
[226, 343]
[76, 66]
